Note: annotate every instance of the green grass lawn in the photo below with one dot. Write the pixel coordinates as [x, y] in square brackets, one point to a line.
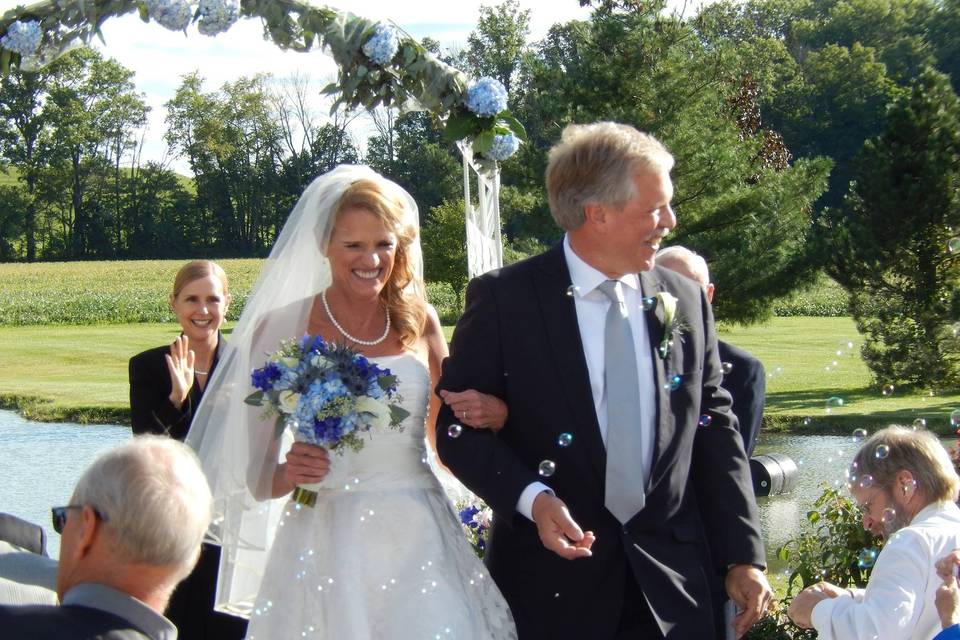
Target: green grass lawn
[809, 360]
[79, 373]
[76, 373]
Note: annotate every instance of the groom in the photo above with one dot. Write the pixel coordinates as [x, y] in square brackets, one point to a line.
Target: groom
[619, 482]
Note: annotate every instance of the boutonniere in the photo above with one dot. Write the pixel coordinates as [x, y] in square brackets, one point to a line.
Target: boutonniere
[665, 306]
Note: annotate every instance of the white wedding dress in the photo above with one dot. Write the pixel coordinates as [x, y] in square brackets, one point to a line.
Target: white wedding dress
[382, 555]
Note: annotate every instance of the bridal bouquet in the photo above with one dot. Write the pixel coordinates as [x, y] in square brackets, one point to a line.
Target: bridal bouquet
[475, 518]
[327, 394]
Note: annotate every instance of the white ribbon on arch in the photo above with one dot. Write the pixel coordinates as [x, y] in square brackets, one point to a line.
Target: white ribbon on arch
[484, 244]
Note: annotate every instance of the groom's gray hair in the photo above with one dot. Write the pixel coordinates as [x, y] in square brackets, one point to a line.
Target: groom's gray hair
[154, 500]
[595, 163]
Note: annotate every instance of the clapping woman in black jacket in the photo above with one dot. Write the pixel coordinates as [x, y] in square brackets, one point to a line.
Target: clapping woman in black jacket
[166, 384]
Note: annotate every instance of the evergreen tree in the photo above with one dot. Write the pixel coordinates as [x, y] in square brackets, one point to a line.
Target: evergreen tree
[891, 240]
[739, 200]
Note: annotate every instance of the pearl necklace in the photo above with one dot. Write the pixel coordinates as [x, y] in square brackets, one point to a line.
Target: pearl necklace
[366, 343]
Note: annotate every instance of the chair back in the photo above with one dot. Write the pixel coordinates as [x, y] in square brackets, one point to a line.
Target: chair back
[20, 533]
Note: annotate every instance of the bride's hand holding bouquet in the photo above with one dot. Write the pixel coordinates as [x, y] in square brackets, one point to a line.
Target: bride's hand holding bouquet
[328, 395]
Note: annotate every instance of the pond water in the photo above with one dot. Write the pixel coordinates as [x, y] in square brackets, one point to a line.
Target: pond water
[42, 462]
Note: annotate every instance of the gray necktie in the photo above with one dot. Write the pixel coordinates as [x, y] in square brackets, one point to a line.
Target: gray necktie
[624, 494]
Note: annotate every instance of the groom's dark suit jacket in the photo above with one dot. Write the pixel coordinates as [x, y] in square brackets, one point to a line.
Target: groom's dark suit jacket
[519, 340]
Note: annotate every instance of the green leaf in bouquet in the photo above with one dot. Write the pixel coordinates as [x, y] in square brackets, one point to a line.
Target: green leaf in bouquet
[255, 399]
[278, 426]
[397, 414]
[387, 381]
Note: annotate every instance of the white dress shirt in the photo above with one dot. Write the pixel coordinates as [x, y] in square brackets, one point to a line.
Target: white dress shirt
[898, 603]
[591, 307]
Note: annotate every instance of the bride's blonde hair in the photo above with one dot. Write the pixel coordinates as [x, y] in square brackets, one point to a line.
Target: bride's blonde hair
[403, 295]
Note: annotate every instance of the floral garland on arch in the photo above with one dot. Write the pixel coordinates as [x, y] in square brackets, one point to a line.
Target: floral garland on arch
[378, 64]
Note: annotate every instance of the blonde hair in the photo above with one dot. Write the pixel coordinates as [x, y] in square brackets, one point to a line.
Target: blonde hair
[918, 452]
[407, 308]
[595, 163]
[197, 270]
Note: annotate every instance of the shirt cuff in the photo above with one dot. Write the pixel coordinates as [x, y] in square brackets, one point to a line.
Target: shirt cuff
[821, 616]
[525, 503]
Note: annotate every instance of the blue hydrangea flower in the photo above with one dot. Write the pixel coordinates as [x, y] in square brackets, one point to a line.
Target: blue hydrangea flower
[382, 45]
[171, 14]
[286, 380]
[486, 97]
[216, 16]
[504, 146]
[334, 388]
[23, 37]
[305, 413]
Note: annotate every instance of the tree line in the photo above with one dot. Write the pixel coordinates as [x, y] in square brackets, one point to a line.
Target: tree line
[810, 136]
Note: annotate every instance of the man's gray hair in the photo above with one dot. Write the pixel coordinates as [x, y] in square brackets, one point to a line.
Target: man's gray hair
[595, 163]
[696, 266]
[154, 499]
[895, 448]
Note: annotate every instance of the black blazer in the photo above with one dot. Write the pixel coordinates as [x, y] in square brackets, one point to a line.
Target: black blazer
[519, 340]
[68, 622]
[747, 384]
[150, 408]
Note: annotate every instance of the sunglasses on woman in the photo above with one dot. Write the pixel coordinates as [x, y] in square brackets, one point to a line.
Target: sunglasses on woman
[59, 515]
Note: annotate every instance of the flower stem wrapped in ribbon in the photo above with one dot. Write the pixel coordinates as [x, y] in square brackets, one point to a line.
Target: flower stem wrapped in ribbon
[328, 395]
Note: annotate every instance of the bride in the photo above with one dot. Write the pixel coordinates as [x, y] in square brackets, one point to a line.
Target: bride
[381, 553]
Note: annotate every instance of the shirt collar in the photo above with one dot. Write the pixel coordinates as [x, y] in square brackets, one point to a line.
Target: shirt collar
[586, 278]
[933, 509]
[138, 614]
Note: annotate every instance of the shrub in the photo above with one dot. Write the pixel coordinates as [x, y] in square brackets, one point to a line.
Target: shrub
[445, 300]
[836, 549]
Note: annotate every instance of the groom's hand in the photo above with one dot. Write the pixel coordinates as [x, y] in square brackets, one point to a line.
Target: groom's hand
[747, 586]
[558, 531]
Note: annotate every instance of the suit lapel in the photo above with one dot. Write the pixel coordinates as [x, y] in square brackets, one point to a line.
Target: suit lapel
[651, 285]
[563, 333]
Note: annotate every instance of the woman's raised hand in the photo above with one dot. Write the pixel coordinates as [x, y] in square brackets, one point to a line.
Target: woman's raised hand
[475, 409]
[180, 364]
[306, 463]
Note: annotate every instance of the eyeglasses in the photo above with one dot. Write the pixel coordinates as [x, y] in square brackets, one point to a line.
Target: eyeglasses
[59, 515]
[867, 505]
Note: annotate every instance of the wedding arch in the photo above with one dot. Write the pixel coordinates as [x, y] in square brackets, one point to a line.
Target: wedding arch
[378, 65]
